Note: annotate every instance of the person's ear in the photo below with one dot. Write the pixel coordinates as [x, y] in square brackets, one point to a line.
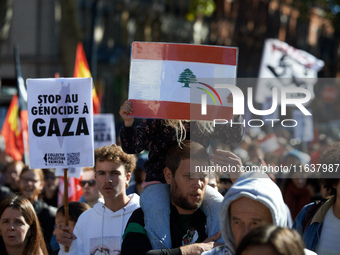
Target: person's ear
[42, 184]
[167, 175]
[128, 177]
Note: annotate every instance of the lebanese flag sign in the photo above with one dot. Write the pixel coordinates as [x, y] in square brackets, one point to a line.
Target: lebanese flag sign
[181, 81]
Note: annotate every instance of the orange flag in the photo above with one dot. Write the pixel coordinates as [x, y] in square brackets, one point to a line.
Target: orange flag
[82, 70]
[12, 131]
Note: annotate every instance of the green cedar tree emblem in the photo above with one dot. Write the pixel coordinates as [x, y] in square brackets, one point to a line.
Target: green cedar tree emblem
[187, 77]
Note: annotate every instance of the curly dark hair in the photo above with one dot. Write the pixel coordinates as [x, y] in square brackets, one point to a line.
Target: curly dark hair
[329, 157]
[114, 153]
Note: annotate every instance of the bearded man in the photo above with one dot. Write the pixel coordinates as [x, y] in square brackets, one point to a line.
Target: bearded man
[187, 220]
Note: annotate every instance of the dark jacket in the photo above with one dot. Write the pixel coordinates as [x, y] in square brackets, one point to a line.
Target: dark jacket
[4, 192]
[46, 215]
[310, 220]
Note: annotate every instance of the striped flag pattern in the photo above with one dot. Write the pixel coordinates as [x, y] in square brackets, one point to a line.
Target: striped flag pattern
[168, 80]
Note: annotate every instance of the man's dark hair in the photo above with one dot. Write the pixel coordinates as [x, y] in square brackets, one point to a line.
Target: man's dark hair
[75, 210]
[282, 240]
[187, 150]
[329, 157]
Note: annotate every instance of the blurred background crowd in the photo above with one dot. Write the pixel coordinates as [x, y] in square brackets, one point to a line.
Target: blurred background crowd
[47, 33]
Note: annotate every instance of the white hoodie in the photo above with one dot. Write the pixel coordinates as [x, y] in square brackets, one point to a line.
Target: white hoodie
[100, 229]
[258, 187]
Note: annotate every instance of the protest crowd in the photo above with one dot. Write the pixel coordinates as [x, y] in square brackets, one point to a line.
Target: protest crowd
[171, 182]
[140, 199]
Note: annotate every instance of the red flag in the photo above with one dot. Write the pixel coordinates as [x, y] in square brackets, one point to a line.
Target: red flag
[82, 70]
[12, 130]
[74, 190]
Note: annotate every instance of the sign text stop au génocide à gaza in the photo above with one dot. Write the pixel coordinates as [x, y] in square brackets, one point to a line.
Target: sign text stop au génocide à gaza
[60, 118]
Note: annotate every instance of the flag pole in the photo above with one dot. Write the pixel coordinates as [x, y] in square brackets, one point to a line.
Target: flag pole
[22, 99]
[66, 200]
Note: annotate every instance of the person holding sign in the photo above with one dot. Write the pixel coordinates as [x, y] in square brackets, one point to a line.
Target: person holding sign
[159, 135]
[100, 228]
[75, 210]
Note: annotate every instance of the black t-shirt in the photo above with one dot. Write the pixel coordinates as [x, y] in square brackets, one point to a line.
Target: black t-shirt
[185, 229]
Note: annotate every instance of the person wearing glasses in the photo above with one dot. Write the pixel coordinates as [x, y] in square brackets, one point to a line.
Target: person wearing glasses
[91, 194]
[31, 184]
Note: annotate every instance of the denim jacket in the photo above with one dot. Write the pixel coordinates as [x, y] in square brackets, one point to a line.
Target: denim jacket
[311, 234]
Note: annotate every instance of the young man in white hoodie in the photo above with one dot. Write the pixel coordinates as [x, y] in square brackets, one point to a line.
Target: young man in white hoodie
[100, 229]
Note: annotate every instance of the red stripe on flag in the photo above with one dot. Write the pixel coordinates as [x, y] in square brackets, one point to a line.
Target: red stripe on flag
[74, 190]
[185, 52]
[178, 110]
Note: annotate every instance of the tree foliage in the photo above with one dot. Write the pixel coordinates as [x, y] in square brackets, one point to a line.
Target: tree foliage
[187, 77]
[203, 8]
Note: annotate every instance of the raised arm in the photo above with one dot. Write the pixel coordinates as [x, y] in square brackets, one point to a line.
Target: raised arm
[125, 110]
